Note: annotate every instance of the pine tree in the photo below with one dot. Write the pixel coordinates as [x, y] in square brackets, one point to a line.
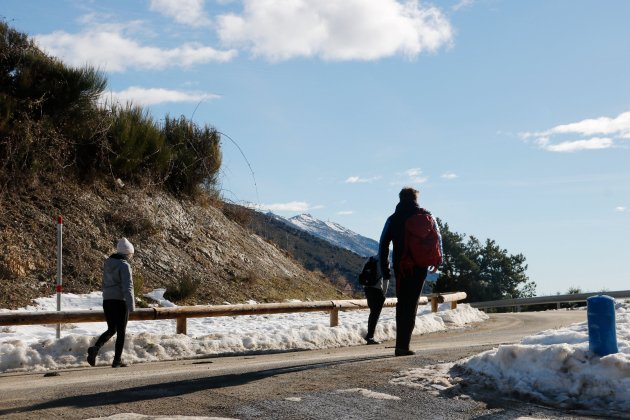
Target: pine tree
[483, 270]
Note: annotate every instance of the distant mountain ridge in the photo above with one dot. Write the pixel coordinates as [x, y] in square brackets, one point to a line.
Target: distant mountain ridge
[335, 234]
[319, 246]
[339, 265]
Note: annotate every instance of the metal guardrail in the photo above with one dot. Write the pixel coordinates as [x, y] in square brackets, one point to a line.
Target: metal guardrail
[182, 313]
[546, 300]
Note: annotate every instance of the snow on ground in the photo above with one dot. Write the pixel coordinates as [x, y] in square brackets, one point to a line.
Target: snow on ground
[554, 367]
[35, 347]
[368, 394]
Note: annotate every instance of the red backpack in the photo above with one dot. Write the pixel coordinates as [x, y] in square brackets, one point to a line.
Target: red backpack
[422, 243]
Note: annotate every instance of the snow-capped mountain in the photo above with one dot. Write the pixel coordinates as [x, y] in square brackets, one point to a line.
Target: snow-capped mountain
[335, 234]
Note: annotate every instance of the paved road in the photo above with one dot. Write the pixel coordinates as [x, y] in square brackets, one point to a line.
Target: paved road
[293, 385]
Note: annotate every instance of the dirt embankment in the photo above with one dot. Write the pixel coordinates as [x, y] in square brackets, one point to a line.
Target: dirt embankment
[175, 240]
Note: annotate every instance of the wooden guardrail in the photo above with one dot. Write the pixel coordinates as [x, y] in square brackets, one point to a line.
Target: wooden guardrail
[182, 313]
[546, 300]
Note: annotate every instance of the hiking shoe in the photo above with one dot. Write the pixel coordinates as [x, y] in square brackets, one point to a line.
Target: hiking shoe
[404, 352]
[118, 364]
[91, 357]
[371, 340]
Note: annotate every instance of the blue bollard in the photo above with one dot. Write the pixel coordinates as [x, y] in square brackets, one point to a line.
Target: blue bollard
[602, 333]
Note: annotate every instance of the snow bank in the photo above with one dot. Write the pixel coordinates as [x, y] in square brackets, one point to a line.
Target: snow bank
[554, 367]
[564, 373]
[35, 348]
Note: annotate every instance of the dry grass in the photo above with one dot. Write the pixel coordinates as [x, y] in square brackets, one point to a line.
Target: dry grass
[238, 214]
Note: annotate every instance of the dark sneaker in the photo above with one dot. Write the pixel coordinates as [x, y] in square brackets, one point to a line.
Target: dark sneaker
[404, 352]
[118, 363]
[371, 340]
[91, 358]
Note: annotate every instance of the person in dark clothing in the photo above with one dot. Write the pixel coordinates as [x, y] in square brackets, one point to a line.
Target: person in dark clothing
[118, 301]
[408, 284]
[375, 296]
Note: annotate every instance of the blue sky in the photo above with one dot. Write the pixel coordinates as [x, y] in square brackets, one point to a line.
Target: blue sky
[511, 117]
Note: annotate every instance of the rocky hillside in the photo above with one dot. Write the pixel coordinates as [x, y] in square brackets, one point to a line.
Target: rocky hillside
[178, 243]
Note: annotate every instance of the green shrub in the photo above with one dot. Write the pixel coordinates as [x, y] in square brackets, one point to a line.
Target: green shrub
[51, 122]
[138, 283]
[196, 155]
[47, 110]
[138, 147]
[184, 289]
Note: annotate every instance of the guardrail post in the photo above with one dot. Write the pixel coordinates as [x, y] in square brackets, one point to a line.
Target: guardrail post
[454, 304]
[434, 304]
[181, 325]
[334, 317]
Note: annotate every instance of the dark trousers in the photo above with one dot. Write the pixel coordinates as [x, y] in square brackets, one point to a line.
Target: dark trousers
[375, 299]
[117, 315]
[408, 293]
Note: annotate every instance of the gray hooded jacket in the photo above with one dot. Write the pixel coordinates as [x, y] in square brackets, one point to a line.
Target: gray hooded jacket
[118, 280]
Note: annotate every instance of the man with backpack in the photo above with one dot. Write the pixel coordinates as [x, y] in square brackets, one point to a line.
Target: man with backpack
[417, 248]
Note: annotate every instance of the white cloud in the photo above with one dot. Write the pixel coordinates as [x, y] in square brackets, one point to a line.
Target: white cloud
[449, 175]
[190, 12]
[415, 176]
[621, 209]
[335, 30]
[107, 47]
[604, 132]
[577, 145]
[293, 206]
[345, 213]
[619, 125]
[152, 96]
[462, 4]
[359, 180]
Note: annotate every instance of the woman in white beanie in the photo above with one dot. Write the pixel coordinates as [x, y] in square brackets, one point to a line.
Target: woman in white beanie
[118, 301]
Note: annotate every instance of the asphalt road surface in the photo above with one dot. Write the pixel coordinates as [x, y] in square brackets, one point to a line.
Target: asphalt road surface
[288, 385]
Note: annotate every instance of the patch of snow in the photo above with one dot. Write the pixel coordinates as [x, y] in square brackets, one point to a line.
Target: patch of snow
[158, 296]
[369, 394]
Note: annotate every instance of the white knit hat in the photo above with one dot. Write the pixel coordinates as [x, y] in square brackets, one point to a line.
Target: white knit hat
[124, 246]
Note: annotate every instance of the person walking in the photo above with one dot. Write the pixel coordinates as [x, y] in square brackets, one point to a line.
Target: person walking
[375, 295]
[118, 301]
[409, 278]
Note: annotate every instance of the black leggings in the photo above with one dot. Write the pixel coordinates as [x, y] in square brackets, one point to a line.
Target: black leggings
[375, 299]
[117, 315]
[408, 293]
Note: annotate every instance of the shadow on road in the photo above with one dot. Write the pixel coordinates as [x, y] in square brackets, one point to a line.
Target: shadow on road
[174, 388]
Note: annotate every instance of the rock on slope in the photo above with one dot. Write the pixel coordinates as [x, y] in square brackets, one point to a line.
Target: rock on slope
[174, 240]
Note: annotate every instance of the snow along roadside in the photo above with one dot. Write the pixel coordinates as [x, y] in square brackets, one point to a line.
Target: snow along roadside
[554, 367]
[28, 348]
